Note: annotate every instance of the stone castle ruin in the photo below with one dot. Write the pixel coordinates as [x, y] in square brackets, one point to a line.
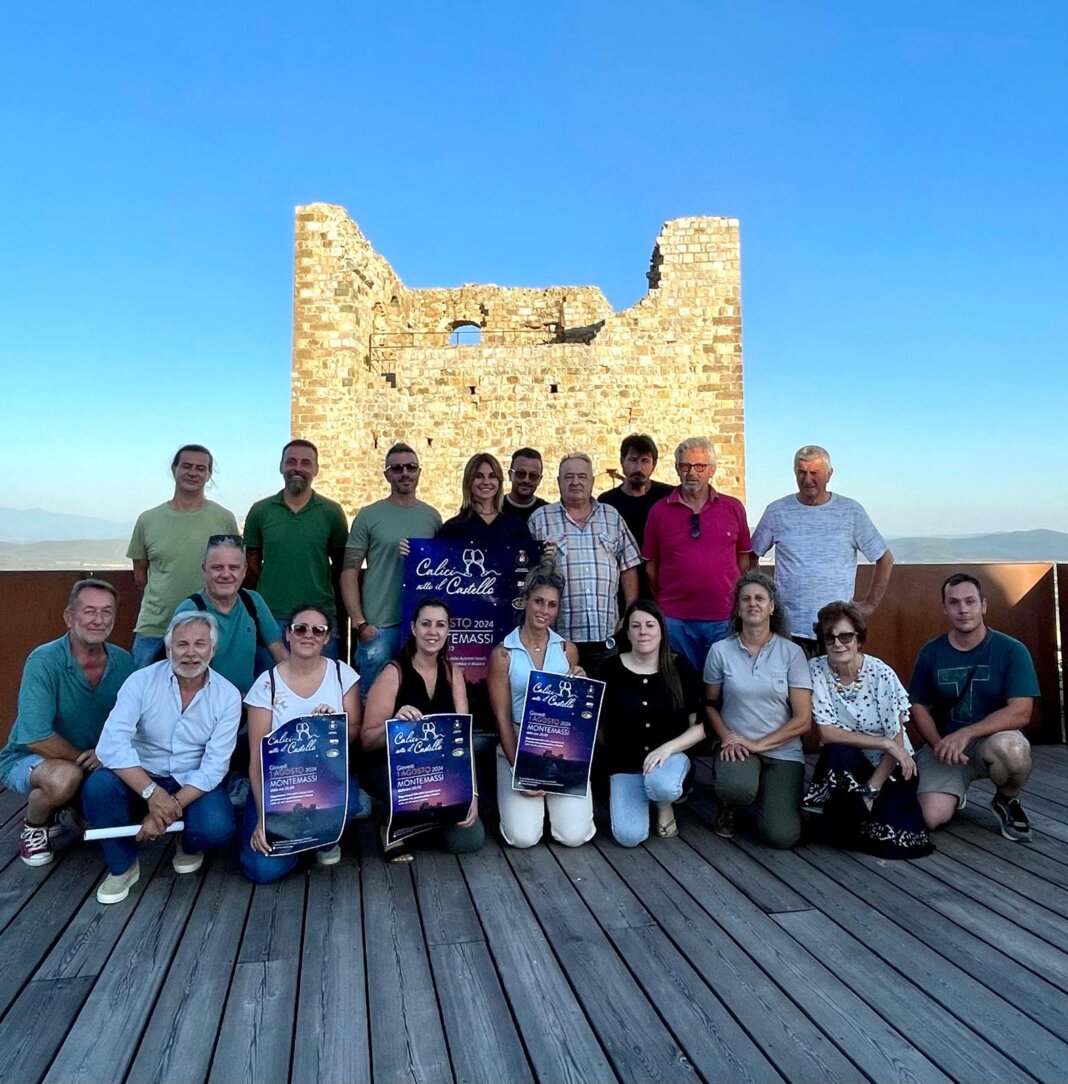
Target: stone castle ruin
[489, 368]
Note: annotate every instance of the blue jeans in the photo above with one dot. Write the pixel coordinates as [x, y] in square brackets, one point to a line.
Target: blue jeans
[692, 639]
[263, 869]
[108, 802]
[630, 795]
[145, 649]
[373, 657]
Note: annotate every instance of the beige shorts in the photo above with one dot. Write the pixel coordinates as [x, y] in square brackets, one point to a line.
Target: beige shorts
[955, 779]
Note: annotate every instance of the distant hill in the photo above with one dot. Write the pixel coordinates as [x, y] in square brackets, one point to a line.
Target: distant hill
[25, 525]
[93, 554]
[1003, 546]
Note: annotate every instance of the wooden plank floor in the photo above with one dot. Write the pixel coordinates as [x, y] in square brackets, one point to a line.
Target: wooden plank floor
[686, 960]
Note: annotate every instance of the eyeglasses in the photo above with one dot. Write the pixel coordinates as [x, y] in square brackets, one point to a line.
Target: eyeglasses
[302, 628]
[697, 468]
[524, 475]
[225, 540]
[400, 468]
[695, 525]
[842, 637]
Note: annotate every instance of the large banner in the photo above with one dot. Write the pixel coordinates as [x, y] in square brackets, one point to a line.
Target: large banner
[557, 734]
[482, 585]
[431, 773]
[305, 776]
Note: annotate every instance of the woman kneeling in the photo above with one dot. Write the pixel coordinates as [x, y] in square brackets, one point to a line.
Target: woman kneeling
[649, 716]
[865, 778]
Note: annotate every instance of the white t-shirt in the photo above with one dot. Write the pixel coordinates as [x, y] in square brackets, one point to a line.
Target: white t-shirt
[328, 699]
[816, 548]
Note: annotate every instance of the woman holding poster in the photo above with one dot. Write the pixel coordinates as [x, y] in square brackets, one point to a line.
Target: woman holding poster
[307, 683]
[649, 716]
[481, 519]
[533, 646]
[759, 701]
[418, 682]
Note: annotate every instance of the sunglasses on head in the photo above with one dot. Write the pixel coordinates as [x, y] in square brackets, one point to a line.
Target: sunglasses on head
[302, 628]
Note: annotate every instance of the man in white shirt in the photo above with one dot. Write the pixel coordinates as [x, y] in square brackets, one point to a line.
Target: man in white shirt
[164, 751]
[817, 536]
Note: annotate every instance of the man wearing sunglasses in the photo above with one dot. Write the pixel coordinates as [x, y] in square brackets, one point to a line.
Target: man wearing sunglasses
[696, 546]
[374, 606]
[525, 476]
[817, 535]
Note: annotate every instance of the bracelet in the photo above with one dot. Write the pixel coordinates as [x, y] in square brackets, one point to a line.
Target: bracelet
[361, 626]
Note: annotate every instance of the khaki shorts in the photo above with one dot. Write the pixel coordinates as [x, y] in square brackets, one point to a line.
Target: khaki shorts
[951, 778]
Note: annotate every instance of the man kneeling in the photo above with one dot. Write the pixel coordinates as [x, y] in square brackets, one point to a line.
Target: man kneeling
[164, 751]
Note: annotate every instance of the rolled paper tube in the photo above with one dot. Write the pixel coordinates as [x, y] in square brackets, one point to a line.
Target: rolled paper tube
[122, 830]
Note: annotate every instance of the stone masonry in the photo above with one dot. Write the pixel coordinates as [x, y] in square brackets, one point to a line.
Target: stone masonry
[555, 368]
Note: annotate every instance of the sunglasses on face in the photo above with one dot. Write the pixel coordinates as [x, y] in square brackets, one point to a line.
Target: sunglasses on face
[523, 475]
[302, 628]
[842, 637]
[400, 468]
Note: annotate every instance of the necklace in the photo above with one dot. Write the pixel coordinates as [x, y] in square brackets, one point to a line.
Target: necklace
[848, 690]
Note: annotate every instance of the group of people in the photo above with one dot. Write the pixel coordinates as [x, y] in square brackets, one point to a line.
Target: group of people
[652, 589]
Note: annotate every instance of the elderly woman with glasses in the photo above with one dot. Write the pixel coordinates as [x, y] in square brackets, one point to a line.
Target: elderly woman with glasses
[865, 780]
[307, 683]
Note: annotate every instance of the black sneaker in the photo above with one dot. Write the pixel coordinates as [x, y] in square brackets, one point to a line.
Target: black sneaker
[1014, 822]
[725, 822]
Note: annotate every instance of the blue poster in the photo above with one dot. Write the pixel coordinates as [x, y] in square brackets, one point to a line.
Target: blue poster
[305, 777]
[557, 734]
[483, 586]
[431, 773]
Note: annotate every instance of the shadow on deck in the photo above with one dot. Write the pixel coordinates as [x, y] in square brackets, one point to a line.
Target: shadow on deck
[682, 960]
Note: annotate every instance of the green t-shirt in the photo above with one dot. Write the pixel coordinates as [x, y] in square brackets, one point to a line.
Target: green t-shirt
[377, 531]
[959, 688]
[173, 543]
[295, 549]
[235, 656]
[55, 698]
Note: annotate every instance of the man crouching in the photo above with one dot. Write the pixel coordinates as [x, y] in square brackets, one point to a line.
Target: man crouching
[164, 751]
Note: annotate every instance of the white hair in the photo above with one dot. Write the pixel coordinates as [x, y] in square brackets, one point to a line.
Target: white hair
[187, 617]
[696, 444]
[576, 455]
[810, 452]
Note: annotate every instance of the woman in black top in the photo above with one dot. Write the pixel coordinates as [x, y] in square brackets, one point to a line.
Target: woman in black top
[648, 717]
[420, 681]
[480, 519]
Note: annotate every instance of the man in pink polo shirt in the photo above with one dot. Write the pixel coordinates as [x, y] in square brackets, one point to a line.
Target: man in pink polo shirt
[696, 545]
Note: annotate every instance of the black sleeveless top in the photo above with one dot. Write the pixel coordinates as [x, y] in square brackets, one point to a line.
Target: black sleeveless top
[412, 689]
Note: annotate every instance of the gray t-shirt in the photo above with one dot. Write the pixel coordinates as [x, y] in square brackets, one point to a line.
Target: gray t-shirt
[816, 550]
[756, 692]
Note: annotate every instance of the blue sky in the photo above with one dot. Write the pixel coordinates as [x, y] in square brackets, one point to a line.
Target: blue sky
[900, 172]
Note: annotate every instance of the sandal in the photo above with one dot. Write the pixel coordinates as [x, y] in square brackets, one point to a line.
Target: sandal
[669, 830]
[394, 853]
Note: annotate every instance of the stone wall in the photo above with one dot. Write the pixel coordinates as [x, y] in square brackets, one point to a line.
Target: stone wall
[556, 368]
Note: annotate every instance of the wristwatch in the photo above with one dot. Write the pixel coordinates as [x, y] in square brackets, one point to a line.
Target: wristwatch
[149, 791]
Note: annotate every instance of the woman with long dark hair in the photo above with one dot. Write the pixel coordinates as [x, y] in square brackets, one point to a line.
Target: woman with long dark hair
[420, 681]
[648, 719]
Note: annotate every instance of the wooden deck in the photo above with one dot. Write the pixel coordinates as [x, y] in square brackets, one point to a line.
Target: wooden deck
[683, 960]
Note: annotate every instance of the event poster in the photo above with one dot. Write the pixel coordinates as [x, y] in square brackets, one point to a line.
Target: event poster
[305, 776]
[557, 734]
[431, 773]
[483, 586]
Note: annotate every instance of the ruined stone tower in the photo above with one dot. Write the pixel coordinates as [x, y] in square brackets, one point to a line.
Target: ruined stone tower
[488, 368]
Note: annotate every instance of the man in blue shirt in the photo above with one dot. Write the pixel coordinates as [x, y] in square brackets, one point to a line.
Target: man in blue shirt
[68, 689]
[972, 692]
[164, 751]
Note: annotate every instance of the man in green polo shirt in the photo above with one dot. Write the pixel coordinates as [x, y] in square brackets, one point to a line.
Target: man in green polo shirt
[68, 689]
[295, 540]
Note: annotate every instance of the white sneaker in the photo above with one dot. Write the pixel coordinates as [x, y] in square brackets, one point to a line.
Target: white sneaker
[116, 886]
[329, 856]
[186, 863]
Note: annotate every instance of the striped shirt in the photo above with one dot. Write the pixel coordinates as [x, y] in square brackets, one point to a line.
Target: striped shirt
[591, 557]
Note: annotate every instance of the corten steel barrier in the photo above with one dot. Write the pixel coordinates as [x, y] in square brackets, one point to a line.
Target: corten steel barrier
[1021, 601]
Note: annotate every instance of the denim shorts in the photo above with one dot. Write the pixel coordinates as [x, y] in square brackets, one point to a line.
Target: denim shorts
[17, 776]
